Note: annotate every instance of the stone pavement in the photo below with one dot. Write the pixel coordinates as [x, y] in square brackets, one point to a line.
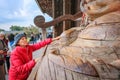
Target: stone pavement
[6, 76]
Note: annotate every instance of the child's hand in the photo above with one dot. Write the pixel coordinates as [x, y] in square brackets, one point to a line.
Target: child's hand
[57, 38]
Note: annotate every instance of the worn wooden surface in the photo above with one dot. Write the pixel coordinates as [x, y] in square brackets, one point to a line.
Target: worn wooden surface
[92, 53]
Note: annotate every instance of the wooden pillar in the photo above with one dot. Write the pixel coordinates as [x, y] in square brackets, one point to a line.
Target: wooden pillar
[53, 15]
[75, 8]
[57, 6]
[66, 10]
[44, 33]
[78, 5]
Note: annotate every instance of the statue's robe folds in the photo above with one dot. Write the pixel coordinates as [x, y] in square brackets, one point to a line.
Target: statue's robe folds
[89, 54]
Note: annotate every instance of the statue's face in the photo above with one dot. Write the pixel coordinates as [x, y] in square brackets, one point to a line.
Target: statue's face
[89, 1]
[92, 5]
[96, 8]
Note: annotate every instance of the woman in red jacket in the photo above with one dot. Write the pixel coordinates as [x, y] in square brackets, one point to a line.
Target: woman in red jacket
[21, 57]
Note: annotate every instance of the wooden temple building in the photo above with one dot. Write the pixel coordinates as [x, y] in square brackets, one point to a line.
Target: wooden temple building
[57, 8]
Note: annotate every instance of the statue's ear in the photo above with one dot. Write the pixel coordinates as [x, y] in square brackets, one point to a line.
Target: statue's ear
[116, 63]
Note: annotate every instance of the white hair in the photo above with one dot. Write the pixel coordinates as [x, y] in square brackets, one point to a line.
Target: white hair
[2, 33]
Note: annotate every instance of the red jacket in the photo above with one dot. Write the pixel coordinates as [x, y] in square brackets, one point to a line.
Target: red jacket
[22, 62]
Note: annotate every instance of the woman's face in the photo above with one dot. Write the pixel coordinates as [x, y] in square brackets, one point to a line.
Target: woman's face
[2, 36]
[23, 42]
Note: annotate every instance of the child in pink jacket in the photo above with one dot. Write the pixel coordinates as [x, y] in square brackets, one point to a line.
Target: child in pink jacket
[21, 57]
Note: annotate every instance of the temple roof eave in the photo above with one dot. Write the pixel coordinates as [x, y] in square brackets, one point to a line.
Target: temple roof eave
[45, 6]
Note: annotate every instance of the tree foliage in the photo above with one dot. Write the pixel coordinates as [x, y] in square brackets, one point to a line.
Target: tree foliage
[28, 30]
[31, 29]
[16, 28]
[2, 30]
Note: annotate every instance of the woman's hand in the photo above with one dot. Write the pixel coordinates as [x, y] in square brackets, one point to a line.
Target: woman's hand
[37, 59]
[57, 38]
[1, 51]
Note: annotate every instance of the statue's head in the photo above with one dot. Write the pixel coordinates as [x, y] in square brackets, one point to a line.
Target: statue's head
[97, 8]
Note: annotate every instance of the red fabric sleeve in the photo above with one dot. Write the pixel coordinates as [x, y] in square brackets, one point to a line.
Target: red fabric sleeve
[19, 66]
[41, 44]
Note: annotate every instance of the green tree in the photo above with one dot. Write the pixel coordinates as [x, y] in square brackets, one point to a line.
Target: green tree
[16, 28]
[31, 29]
[2, 30]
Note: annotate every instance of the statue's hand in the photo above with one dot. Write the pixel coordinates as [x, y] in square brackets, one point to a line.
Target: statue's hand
[116, 63]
